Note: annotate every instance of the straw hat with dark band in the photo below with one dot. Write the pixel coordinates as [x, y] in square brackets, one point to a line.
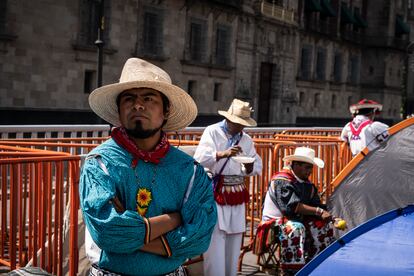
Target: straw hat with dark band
[239, 112]
[138, 73]
[304, 154]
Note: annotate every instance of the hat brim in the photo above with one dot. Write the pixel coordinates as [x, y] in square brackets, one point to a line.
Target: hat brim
[315, 161]
[353, 108]
[183, 109]
[245, 122]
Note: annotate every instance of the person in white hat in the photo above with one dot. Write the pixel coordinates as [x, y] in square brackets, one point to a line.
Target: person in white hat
[229, 153]
[292, 202]
[363, 131]
[146, 218]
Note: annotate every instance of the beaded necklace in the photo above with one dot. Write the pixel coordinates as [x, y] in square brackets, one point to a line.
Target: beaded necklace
[144, 195]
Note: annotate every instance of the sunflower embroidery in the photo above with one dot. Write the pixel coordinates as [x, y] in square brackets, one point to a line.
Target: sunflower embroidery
[144, 198]
[141, 211]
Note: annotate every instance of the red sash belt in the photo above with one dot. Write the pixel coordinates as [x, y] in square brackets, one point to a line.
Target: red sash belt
[230, 195]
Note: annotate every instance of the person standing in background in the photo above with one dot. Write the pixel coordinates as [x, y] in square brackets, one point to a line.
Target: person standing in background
[230, 155]
[363, 131]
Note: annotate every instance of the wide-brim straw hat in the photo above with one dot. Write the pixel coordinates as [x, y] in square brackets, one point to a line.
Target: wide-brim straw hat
[365, 104]
[138, 73]
[307, 155]
[239, 112]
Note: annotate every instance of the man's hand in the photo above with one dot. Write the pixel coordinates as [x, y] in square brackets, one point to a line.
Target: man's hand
[234, 150]
[304, 209]
[326, 216]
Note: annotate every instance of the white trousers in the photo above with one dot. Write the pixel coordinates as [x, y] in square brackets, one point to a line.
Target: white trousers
[223, 253]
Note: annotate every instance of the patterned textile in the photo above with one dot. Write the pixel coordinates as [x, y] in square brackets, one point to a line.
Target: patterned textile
[96, 271]
[301, 237]
[121, 138]
[286, 192]
[230, 190]
[233, 180]
[181, 271]
[265, 237]
[319, 234]
[300, 242]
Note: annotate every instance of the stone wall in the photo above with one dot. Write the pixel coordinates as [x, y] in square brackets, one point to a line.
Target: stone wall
[43, 63]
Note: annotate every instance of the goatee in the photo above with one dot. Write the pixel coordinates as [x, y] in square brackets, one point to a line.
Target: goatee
[139, 133]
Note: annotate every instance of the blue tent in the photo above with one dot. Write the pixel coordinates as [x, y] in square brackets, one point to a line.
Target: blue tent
[383, 245]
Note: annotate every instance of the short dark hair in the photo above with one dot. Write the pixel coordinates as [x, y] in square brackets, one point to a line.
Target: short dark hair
[366, 111]
[165, 103]
[299, 163]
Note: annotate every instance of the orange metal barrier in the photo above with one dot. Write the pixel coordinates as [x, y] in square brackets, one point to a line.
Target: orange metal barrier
[272, 152]
[307, 137]
[80, 140]
[185, 135]
[315, 131]
[322, 178]
[71, 148]
[330, 149]
[344, 155]
[34, 193]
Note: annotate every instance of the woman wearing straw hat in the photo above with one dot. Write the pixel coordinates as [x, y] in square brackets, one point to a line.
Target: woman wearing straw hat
[145, 218]
[229, 153]
[292, 202]
[362, 131]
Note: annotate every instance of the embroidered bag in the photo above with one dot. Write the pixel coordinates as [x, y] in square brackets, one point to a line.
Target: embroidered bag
[224, 197]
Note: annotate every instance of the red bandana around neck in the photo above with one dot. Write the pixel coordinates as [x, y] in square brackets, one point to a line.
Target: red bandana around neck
[121, 137]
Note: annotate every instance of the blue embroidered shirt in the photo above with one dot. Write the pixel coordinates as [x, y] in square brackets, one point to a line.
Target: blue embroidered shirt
[120, 236]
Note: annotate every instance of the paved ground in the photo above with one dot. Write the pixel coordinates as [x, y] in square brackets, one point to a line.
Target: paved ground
[249, 267]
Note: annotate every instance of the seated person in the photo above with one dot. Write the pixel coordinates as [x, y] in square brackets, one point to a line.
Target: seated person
[293, 203]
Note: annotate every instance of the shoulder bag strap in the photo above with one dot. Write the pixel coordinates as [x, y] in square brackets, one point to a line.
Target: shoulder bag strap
[228, 158]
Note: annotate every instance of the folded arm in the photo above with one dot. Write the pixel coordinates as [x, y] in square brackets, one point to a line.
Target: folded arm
[199, 217]
[115, 231]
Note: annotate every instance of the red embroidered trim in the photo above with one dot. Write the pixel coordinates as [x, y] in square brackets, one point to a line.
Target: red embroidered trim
[284, 175]
[261, 243]
[231, 198]
[166, 246]
[291, 266]
[357, 131]
[147, 230]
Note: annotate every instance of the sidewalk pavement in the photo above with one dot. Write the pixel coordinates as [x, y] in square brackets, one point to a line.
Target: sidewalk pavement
[250, 267]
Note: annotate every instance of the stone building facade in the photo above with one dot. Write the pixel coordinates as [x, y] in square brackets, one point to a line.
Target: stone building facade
[300, 62]
[409, 66]
[350, 50]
